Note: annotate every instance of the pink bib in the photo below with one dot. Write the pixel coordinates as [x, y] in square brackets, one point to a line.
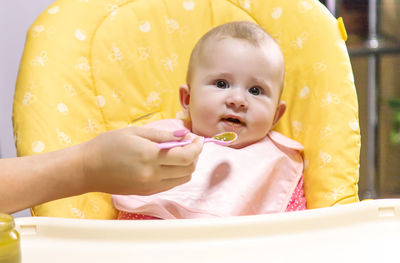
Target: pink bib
[256, 179]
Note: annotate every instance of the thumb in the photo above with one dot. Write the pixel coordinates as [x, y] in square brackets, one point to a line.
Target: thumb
[157, 135]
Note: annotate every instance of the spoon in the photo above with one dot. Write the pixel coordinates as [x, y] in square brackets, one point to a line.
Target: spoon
[224, 139]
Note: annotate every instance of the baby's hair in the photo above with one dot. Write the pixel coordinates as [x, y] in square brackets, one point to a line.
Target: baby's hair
[245, 30]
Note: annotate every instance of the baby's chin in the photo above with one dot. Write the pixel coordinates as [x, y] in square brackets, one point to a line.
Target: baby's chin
[241, 143]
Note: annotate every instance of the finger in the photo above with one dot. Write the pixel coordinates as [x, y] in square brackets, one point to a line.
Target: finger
[171, 183]
[181, 155]
[176, 171]
[157, 135]
[164, 185]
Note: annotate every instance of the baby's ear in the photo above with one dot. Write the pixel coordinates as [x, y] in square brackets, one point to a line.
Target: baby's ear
[184, 97]
[280, 110]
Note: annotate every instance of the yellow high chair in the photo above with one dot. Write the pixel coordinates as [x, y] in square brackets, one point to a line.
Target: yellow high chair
[91, 66]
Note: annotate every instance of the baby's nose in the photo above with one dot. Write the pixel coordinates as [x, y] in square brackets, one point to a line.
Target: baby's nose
[237, 99]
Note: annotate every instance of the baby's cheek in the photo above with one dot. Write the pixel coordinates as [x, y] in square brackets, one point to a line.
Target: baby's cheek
[201, 131]
[260, 129]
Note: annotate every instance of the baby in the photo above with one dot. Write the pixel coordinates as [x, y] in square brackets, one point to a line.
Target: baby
[234, 83]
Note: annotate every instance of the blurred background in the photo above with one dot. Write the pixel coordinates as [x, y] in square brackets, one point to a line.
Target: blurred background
[16, 16]
[374, 47]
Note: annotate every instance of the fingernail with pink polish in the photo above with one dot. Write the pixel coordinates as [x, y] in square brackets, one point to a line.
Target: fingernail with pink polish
[181, 133]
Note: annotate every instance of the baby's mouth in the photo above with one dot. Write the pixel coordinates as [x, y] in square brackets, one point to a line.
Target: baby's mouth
[233, 120]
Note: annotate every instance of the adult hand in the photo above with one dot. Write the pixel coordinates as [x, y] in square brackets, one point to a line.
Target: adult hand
[125, 161]
[128, 161]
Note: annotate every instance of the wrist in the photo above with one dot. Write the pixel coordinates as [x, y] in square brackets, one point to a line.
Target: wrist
[84, 166]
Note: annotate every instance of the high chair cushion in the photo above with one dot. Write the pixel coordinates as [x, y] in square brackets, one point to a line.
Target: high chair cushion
[93, 66]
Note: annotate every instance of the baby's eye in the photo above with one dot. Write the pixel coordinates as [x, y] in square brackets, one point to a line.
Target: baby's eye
[255, 91]
[221, 84]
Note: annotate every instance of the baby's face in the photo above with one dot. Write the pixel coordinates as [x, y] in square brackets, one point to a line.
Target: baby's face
[236, 87]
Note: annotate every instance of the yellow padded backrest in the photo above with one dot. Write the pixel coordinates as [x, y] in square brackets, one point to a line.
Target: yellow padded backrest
[93, 66]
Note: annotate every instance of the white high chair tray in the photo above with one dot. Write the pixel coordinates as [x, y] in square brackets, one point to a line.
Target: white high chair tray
[368, 231]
